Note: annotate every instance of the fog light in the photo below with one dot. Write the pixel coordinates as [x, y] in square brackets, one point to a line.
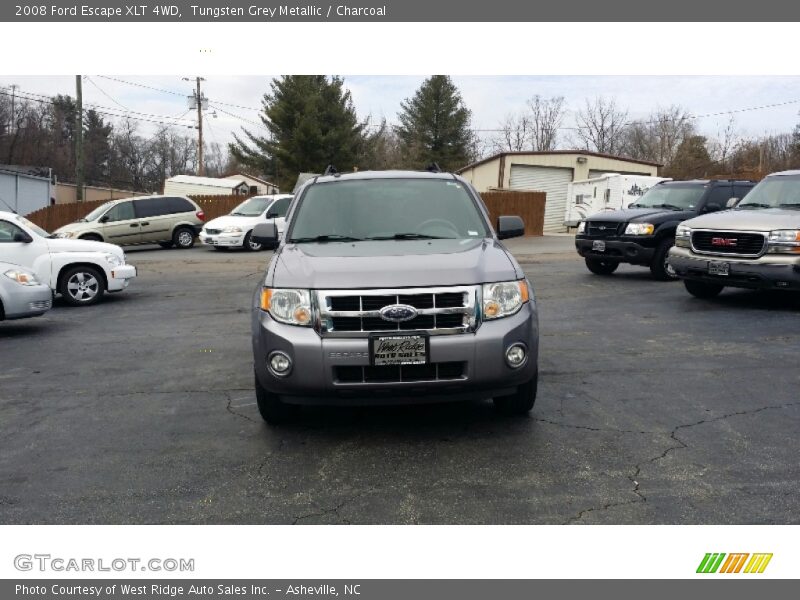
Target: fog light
[516, 355]
[279, 364]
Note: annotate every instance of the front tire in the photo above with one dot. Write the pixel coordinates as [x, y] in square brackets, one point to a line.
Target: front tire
[166, 245]
[250, 245]
[272, 410]
[183, 238]
[600, 266]
[700, 289]
[81, 286]
[660, 267]
[519, 403]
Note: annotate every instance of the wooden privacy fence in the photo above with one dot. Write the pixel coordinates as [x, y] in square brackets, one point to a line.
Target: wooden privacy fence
[528, 205]
[51, 218]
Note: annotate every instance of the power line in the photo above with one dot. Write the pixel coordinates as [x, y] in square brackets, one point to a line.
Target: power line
[102, 91]
[230, 114]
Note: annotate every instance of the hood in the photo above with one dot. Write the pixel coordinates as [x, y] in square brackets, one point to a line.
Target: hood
[233, 221]
[757, 219]
[386, 264]
[69, 245]
[639, 215]
[76, 226]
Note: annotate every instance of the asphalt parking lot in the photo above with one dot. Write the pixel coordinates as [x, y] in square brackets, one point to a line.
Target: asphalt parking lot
[653, 407]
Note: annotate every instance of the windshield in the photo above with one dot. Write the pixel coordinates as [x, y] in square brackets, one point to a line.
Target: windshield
[387, 209]
[97, 212]
[675, 197]
[35, 228]
[780, 191]
[252, 207]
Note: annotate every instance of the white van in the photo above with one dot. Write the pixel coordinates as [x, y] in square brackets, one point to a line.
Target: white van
[610, 191]
[80, 270]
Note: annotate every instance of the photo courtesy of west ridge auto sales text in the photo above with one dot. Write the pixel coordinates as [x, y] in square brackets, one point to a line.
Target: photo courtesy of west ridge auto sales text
[394, 299]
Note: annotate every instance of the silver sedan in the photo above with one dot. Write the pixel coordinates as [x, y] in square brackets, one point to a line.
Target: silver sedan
[21, 294]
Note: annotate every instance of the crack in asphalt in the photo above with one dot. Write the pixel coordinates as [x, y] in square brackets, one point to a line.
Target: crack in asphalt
[634, 478]
[229, 408]
[596, 429]
[335, 510]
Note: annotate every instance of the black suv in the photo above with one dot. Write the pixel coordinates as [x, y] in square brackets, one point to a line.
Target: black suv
[643, 233]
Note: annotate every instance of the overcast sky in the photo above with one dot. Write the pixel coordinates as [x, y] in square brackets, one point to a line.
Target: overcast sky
[490, 98]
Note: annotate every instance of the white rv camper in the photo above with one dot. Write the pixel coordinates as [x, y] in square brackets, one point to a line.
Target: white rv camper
[610, 191]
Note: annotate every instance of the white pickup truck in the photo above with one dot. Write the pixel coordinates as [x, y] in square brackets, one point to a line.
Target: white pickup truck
[80, 270]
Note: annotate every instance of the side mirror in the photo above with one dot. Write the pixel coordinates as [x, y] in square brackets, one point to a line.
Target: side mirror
[712, 207]
[732, 202]
[271, 214]
[22, 237]
[510, 227]
[265, 233]
[104, 219]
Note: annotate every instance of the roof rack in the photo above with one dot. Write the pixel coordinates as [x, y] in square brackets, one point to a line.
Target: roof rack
[330, 170]
[433, 168]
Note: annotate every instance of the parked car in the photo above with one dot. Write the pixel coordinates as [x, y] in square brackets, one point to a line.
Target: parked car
[644, 233]
[392, 287]
[22, 295]
[80, 270]
[164, 220]
[235, 229]
[756, 245]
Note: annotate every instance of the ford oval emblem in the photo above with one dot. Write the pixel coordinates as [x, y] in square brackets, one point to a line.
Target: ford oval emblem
[398, 313]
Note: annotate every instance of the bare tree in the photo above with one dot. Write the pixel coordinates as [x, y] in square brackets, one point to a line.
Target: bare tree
[601, 125]
[725, 142]
[546, 116]
[514, 133]
[657, 137]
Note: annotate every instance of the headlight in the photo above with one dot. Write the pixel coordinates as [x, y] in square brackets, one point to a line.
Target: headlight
[640, 229]
[22, 277]
[784, 241]
[232, 229]
[113, 260]
[683, 235]
[287, 306]
[504, 299]
[65, 234]
[581, 226]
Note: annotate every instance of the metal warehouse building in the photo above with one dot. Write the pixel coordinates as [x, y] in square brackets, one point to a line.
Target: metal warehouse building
[25, 189]
[549, 172]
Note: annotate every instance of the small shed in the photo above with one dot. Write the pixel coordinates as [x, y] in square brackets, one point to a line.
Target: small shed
[191, 185]
[258, 186]
[25, 189]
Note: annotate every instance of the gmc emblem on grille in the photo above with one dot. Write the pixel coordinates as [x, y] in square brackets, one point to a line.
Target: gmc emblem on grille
[398, 313]
[720, 241]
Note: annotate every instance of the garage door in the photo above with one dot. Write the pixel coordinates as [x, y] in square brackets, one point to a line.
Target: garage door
[553, 181]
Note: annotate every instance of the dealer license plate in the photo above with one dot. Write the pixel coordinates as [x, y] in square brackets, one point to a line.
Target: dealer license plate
[719, 268]
[399, 350]
[599, 246]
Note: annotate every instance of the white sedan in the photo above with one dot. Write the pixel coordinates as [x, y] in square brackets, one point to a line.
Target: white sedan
[234, 230]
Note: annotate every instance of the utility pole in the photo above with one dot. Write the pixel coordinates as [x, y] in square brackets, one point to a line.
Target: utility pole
[78, 138]
[198, 98]
[13, 125]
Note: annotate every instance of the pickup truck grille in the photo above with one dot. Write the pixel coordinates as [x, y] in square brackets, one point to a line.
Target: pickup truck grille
[729, 243]
[348, 313]
[602, 229]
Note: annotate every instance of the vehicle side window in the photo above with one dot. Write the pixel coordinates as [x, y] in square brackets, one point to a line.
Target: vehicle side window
[280, 207]
[120, 212]
[151, 207]
[740, 191]
[179, 205]
[8, 231]
[719, 195]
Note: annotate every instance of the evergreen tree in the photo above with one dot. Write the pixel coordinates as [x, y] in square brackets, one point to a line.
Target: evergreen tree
[96, 147]
[691, 159]
[435, 126]
[311, 122]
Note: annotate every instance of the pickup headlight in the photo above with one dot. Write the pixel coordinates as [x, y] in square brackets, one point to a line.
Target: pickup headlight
[683, 236]
[22, 277]
[113, 260]
[232, 229]
[640, 229]
[784, 241]
[289, 306]
[582, 227]
[504, 299]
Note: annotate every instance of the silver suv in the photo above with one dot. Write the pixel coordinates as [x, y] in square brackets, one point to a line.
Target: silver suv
[756, 245]
[392, 287]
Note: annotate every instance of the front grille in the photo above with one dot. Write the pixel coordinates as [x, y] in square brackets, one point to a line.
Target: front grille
[40, 305]
[602, 229]
[213, 231]
[737, 243]
[447, 310]
[444, 371]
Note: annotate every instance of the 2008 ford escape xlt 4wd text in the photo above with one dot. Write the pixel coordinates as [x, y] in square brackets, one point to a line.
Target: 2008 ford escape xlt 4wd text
[392, 287]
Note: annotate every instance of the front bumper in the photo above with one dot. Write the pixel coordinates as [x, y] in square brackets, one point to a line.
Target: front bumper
[27, 301]
[313, 380]
[621, 250]
[120, 277]
[771, 271]
[227, 240]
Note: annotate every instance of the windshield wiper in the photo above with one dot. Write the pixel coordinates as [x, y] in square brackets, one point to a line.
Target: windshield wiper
[409, 236]
[753, 205]
[325, 238]
[669, 206]
[789, 205]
